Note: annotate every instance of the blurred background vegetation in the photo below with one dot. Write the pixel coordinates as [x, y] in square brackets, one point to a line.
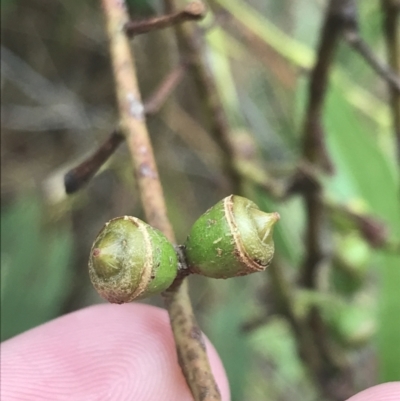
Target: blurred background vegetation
[58, 105]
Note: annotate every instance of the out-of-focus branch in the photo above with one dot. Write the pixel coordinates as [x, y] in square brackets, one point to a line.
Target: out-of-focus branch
[308, 348]
[162, 93]
[301, 180]
[191, 350]
[315, 154]
[314, 148]
[282, 70]
[391, 29]
[373, 230]
[354, 39]
[191, 49]
[80, 175]
[194, 11]
[76, 178]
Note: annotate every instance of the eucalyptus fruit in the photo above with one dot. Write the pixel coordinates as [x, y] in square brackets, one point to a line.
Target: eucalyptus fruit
[233, 238]
[130, 259]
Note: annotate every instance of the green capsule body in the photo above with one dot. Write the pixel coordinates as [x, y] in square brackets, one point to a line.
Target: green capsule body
[233, 238]
[130, 259]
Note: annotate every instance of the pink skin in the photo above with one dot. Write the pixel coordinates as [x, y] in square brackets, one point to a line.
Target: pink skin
[109, 352]
[382, 392]
[102, 353]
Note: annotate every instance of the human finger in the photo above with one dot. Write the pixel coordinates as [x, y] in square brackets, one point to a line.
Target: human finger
[382, 392]
[105, 352]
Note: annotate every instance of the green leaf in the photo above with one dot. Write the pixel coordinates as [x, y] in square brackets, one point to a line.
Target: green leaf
[359, 155]
[230, 342]
[35, 273]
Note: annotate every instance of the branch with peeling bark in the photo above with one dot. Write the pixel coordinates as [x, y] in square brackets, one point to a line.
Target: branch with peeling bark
[190, 346]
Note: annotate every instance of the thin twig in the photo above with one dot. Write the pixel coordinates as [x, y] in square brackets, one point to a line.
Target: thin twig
[391, 29]
[188, 338]
[76, 178]
[315, 153]
[194, 11]
[164, 90]
[257, 47]
[308, 348]
[80, 175]
[314, 148]
[371, 228]
[357, 43]
[191, 49]
[191, 358]
[303, 179]
[352, 35]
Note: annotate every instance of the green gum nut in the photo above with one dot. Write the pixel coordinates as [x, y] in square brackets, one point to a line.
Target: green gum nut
[233, 238]
[130, 259]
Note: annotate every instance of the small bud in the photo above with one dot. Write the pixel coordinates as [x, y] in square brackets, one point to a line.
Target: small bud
[130, 259]
[233, 238]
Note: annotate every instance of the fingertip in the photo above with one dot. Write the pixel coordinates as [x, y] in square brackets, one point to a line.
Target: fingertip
[382, 392]
[107, 350]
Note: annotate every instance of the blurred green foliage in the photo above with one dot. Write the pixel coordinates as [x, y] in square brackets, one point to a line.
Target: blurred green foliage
[35, 262]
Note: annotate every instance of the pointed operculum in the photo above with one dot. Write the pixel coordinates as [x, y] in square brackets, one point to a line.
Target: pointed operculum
[264, 223]
[104, 260]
